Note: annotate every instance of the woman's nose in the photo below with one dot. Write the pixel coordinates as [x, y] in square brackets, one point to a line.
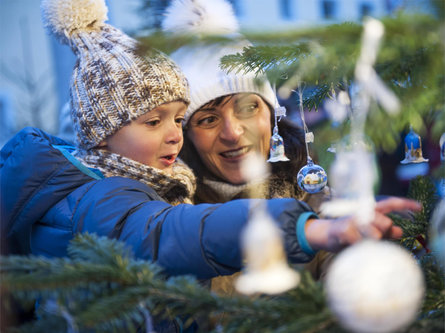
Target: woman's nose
[231, 130]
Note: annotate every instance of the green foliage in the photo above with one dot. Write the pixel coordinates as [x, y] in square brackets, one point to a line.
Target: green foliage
[101, 286]
[410, 62]
[416, 225]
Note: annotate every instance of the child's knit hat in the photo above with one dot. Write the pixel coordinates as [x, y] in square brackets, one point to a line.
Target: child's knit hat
[111, 85]
[200, 62]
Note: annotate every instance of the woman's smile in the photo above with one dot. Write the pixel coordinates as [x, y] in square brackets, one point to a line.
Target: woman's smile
[235, 153]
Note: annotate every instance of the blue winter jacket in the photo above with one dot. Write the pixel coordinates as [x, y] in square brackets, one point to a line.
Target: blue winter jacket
[46, 199]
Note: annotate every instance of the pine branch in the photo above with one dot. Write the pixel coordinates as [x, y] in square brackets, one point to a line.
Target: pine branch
[410, 62]
[111, 293]
[116, 294]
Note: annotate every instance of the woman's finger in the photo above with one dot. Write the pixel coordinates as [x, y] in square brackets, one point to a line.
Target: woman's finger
[397, 204]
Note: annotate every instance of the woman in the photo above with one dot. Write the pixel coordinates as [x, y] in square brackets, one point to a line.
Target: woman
[231, 115]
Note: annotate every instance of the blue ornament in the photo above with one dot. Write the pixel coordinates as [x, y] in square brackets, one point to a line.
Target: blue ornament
[413, 149]
[312, 178]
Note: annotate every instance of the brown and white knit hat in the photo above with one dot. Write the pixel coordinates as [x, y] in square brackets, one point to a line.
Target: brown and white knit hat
[111, 85]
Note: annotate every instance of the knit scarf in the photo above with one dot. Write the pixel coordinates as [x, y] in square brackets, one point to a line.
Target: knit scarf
[175, 188]
[273, 187]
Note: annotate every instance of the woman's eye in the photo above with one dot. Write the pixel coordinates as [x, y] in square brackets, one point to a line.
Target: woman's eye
[206, 121]
[248, 109]
[180, 120]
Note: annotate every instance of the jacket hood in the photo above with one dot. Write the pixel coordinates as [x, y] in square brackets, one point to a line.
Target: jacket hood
[34, 176]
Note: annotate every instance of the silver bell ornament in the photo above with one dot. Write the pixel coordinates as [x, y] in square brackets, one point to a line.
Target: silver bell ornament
[276, 141]
[413, 148]
[312, 178]
[277, 148]
[265, 264]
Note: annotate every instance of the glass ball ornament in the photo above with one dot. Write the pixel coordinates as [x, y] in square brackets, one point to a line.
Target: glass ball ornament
[312, 178]
[375, 287]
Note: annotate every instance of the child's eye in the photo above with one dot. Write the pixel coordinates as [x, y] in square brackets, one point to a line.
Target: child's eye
[180, 120]
[153, 122]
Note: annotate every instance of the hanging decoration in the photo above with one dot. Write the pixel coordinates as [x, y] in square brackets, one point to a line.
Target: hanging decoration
[372, 286]
[413, 148]
[353, 173]
[266, 268]
[375, 286]
[276, 141]
[311, 178]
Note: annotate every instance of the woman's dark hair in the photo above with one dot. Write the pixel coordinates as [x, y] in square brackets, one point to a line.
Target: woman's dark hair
[292, 134]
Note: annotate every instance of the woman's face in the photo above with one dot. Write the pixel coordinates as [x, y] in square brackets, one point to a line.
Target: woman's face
[225, 134]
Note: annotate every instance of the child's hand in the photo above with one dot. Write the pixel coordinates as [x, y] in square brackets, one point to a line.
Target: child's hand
[333, 235]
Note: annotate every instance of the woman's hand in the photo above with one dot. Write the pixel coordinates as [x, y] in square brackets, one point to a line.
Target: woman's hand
[334, 234]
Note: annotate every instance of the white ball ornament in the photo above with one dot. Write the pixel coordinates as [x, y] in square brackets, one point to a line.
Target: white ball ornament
[375, 286]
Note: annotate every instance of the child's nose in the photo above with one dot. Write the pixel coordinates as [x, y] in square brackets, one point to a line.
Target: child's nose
[174, 133]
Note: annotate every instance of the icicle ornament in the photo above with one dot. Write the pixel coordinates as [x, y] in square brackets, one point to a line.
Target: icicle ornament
[413, 148]
[266, 269]
[311, 178]
[353, 173]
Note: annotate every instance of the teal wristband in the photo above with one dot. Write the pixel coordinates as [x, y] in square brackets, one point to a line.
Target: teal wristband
[301, 234]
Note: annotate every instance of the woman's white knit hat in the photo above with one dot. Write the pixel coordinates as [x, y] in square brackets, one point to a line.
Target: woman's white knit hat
[111, 84]
[201, 62]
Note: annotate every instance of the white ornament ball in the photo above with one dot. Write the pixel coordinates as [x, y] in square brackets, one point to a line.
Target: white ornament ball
[375, 286]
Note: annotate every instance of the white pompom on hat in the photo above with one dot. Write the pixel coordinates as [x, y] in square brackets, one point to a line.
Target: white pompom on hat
[65, 17]
[201, 62]
[111, 84]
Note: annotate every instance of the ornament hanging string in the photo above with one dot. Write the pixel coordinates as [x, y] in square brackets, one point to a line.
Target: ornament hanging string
[305, 128]
[279, 111]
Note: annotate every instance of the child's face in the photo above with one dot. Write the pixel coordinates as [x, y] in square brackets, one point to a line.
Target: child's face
[154, 138]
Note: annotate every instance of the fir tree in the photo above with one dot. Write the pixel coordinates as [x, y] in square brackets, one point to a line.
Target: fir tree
[101, 286]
